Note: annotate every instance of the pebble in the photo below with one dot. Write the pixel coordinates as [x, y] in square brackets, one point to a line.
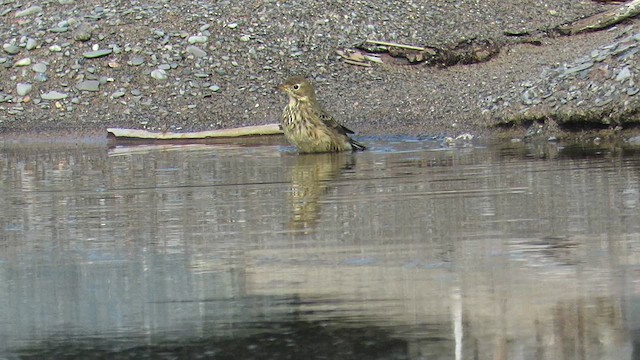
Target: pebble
[88, 85]
[97, 53]
[214, 88]
[59, 30]
[82, 32]
[578, 68]
[245, 38]
[624, 74]
[136, 61]
[23, 89]
[31, 44]
[159, 74]
[11, 49]
[23, 62]
[197, 39]
[53, 95]
[40, 77]
[196, 51]
[55, 48]
[602, 102]
[118, 94]
[29, 11]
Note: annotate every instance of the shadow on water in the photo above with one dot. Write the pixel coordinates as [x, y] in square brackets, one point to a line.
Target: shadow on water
[272, 340]
[410, 250]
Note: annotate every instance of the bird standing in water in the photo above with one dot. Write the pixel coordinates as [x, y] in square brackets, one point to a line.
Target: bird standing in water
[307, 126]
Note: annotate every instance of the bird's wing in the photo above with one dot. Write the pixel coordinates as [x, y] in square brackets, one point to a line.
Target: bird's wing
[333, 124]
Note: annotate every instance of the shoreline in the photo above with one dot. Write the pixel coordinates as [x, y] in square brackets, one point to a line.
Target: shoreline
[87, 68]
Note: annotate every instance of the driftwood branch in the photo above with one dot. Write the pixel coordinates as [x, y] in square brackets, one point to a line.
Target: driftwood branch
[269, 129]
[602, 20]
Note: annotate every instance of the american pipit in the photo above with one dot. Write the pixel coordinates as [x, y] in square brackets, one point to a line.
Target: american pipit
[307, 126]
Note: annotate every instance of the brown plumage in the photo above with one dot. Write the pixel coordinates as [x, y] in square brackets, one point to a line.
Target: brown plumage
[307, 126]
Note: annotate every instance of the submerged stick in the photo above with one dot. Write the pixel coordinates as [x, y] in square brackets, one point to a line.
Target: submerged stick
[270, 129]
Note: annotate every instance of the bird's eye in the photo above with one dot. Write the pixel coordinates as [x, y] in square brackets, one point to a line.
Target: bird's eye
[296, 87]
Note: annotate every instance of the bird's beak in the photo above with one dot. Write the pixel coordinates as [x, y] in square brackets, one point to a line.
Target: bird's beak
[282, 87]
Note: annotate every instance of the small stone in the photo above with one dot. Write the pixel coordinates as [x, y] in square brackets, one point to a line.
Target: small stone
[578, 68]
[196, 51]
[82, 32]
[23, 88]
[97, 53]
[118, 94]
[205, 27]
[31, 44]
[136, 92]
[136, 61]
[159, 74]
[602, 102]
[55, 48]
[66, 2]
[88, 85]
[11, 49]
[245, 38]
[623, 46]
[164, 66]
[624, 74]
[29, 11]
[197, 39]
[53, 95]
[232, 25]
[214, 88]
[59, 30]
[632, 91]
[23, 62]
[40, 77]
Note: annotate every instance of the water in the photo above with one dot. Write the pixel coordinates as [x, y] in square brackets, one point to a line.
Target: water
[407, 251]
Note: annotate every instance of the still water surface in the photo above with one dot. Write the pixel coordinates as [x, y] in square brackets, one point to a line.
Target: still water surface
[408, 251]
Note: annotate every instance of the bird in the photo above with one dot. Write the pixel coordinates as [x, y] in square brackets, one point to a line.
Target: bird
[307, 126]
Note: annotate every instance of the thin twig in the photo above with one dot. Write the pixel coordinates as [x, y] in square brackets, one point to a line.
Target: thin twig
[401, 46]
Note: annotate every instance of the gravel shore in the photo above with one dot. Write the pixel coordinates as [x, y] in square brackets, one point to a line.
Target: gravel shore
[79, 65]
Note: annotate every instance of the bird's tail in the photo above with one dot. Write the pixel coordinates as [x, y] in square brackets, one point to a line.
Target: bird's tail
[357, 146]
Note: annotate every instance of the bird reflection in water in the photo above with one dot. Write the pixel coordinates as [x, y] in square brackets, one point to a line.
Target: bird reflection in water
[311, 176]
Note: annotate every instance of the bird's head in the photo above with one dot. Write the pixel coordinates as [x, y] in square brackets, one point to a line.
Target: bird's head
[298, 89]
